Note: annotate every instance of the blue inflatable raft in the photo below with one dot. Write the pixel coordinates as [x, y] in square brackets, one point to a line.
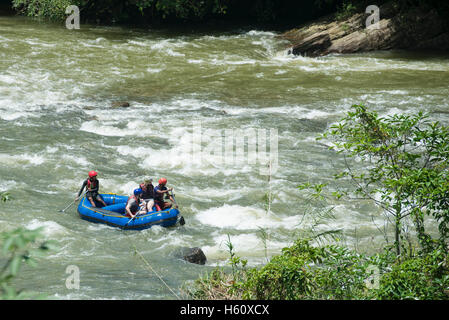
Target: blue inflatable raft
[114, 214]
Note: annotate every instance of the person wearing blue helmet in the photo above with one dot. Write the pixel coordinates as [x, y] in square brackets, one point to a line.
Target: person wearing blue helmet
[133, 205]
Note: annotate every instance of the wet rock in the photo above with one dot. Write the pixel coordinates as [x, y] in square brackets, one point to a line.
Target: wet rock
[416, 29]
[192, 255]
[120, 104]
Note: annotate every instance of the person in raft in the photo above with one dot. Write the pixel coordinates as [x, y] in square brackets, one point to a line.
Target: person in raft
[92, 184]
[159, 192]
[148, 194]
[134, 203]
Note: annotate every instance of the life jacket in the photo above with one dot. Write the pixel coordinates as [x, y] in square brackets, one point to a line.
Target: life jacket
[158, 197]
[137, 202]
[132, 197]
[149, 193]
[91, 184]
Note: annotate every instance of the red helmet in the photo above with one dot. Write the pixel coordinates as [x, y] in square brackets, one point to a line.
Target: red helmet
[162, 181]
[92, 174]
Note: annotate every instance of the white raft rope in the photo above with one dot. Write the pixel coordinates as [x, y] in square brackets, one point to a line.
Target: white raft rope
[154, 271]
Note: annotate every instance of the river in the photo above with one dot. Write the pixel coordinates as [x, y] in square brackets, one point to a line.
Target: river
[57, 123]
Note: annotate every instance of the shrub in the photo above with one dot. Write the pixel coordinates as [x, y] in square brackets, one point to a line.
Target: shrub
[421, 277]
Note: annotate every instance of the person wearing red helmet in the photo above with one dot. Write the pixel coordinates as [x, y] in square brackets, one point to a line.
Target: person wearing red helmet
[92, 185]
[159, 192]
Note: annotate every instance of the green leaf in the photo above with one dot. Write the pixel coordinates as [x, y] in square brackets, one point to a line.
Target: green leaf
[15, 265]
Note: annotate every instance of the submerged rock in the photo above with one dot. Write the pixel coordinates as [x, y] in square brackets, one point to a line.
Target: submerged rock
[120, 104]
[192, 255]
[415, 29]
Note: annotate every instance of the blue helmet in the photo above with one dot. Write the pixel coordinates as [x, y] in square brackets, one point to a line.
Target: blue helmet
[138, 191]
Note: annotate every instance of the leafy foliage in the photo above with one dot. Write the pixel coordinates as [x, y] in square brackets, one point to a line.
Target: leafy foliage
[330, 272]
[422, 277]
[177, 10]
[4, 196]
[400, 163]
[266, 11]
[306, 272]
[19, 246]
[49, 9]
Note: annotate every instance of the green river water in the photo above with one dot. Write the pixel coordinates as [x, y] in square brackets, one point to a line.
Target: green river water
[56, 124]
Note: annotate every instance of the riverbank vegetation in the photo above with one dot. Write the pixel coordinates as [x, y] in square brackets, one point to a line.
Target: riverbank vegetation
[175, 11]
[153, 12]
[307, 272]
[398, 162]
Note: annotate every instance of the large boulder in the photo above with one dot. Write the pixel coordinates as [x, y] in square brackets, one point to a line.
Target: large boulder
[417, 28]
[192, 255]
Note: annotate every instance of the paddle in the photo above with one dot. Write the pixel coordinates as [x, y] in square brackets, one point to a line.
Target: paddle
[137, 212]
[130, 220]
[71, 203]
[181, 220]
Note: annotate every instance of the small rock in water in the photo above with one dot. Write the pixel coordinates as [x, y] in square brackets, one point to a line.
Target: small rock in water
[193, 255]
[120, 104]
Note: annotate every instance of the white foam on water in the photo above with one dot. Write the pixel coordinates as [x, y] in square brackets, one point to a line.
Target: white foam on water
[260, 33]
[79, 160]
[7, 185]
[394, 92]
[137, 128]
[33, 159]
[338, 64]
[298, 111]
[140, 43]
[51, 228]
[119, 186]
[160, 232]
[22, 159]
[97, 226]
[244, 218]
[191, 156]
[242, 243]
[168, 47]
[195, 61]
[249, 246]
[281, 72]
[13, 115]
[141, 152]
[154, 70]
[50, 149]
[213, 194]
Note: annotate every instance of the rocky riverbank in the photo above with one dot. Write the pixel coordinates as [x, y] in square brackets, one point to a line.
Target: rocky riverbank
[417, 28]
